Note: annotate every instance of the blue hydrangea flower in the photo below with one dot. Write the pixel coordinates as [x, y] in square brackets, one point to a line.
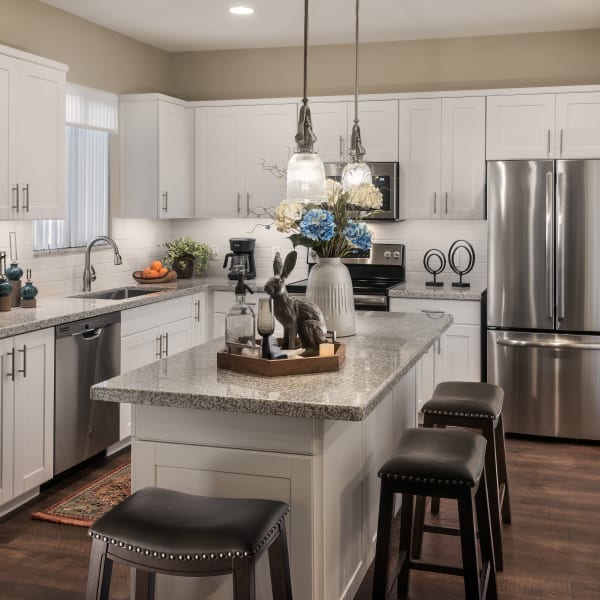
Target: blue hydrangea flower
[358, 234]
[318, 225]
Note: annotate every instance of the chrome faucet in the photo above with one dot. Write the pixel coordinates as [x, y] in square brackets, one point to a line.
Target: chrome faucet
[89, 274]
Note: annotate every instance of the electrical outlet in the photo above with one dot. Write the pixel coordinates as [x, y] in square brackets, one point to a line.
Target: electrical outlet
[274, 251]
[215, 249]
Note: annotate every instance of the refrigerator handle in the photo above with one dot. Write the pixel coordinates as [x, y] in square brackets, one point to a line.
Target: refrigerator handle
[549, 243]
[560, 248]
[551, 345]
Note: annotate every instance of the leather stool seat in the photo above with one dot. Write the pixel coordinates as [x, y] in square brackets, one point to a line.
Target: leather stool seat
[163, 531]
[466, 399]
[449, 463]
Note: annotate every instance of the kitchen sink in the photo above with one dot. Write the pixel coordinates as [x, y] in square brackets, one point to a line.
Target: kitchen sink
[118, 293]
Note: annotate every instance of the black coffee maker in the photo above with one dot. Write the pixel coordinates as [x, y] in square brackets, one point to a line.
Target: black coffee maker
[242, 257]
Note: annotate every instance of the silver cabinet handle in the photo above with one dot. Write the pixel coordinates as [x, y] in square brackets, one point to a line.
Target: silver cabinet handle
[551, 345]
[16, 197]
[26, 197]
[434, 202]
[165, 197]
[247, 203]
[562, 131]
[548, 143]
[560, 248]
[197, 305]
[341, 148]
[549, 244]
[159, 346]
[12, 360]
[446, 204]
[24, 369]
[166, 350]
[439, 345]
[239, 201]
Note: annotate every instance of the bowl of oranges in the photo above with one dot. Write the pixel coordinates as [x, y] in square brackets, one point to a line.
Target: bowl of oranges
[155, 273]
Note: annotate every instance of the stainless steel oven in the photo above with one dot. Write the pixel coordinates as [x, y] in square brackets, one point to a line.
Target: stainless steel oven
[385, 177]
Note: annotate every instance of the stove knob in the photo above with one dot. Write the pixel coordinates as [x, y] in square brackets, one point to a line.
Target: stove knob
[387, 254]
[397, 255]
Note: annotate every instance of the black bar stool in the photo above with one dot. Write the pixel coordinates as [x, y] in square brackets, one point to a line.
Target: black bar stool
[162, 531]
[446, 464]
[476, 406]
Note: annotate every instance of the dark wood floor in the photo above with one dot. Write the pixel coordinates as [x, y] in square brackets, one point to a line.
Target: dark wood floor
[552, 549]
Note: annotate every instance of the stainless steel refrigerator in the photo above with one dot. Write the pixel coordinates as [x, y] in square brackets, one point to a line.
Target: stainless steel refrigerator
[543, 311]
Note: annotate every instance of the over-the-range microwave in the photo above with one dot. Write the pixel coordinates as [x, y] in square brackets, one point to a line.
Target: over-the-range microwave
[385, 177]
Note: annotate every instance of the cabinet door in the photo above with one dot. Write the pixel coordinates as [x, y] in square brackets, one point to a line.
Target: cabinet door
[34, 409]
[578, 125]
[176, 336]
[420, 158]
[270, 131]
[463, 158]
[425, 376]
[378, 128]
[42, 142]
[199, 316]
[459, 357]
[220, 182]
[7, 389]
[330, 124]
[218, 327]
[520, 126]
[175, 161]
[8, 136]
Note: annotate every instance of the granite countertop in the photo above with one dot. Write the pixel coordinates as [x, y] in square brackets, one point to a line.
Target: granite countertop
[383, 350]
[420, 290]
[54, 310]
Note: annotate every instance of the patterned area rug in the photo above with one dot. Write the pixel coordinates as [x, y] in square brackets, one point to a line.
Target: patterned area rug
[89, 503]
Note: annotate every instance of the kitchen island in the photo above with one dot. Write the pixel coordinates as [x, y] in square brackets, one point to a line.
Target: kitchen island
[314, 441]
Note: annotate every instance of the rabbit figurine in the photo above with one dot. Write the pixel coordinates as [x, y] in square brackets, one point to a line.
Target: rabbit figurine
[297, 315]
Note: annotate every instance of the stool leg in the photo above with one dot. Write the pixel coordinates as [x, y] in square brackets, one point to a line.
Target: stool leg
[243, 579]
[99, 573]
[406, 521]
[468, 544]
[279, 565]
[384, 534]
[491, 470]
[418, 523]
[429, 421]
[145, 582]
[485, 539]
[502, 474]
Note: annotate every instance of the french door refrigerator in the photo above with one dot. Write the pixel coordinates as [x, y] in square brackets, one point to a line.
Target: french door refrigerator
[543, 312]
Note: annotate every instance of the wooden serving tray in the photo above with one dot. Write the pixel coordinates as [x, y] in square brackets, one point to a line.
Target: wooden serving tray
[282, 366]
[170, 276]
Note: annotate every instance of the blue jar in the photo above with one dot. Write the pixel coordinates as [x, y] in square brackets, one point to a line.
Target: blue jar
[29, 291]
[14, 271]
[5, 287]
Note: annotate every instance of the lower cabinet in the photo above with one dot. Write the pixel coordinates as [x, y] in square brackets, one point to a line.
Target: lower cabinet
[26, 412]
[457, 354]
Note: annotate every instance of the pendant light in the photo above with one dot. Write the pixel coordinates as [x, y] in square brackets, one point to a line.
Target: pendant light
[356, 172]
[305, 172]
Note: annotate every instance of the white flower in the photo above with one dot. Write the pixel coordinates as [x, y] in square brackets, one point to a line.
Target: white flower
[334, 188]
[365, 196]
[287, 215]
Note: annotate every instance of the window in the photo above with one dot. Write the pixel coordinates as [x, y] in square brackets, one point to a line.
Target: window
[91, 116]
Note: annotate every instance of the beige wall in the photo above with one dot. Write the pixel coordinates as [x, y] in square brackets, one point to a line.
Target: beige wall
[96, 56]
[558, 58]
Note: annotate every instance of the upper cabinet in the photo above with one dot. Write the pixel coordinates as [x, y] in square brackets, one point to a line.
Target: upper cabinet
[378, 119]
[32, 137]
[239, 150]
[157, 157]
[442, 158]
[537, 126]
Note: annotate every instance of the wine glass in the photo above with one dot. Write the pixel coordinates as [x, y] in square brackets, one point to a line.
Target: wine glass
[265, 323]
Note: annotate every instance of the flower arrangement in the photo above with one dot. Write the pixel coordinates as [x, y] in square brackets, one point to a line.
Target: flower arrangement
[330, 228]
[183, 250]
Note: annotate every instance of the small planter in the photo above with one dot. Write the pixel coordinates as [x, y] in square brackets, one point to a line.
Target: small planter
[184, 268]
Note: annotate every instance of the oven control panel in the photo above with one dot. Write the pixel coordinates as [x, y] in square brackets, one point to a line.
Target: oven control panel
[378, 254]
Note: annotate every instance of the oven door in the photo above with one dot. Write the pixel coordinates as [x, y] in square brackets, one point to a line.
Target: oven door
[370, 302]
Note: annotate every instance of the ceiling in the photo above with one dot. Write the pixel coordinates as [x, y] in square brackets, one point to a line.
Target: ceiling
[195, 25]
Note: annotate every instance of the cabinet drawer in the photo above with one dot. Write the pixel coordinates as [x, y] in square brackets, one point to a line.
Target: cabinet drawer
[466, 312]
[145, 317]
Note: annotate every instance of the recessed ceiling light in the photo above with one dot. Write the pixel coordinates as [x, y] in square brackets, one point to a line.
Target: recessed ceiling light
[241, 10]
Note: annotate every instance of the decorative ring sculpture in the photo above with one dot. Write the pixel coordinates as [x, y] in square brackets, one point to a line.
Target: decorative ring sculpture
[429, 260]
[452, 256]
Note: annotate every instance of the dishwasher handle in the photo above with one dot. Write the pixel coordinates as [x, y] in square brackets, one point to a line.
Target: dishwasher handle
[90, 334]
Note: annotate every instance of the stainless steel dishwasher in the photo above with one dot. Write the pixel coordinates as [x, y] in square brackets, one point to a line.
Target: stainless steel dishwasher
[86, 352]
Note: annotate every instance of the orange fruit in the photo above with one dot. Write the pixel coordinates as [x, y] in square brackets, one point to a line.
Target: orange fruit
[163, 271]
[156, 265]
[146, 272]
[154, 274]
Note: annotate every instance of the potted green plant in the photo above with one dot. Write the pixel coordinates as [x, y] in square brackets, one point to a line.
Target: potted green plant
[187, 257]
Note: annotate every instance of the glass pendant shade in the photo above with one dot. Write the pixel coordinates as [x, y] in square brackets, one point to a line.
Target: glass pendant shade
[355, 173]
[306, 178]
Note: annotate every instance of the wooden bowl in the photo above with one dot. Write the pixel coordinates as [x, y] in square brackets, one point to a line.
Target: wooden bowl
[170, 276]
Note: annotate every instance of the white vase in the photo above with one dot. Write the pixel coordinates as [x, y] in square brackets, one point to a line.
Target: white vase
[330, 288]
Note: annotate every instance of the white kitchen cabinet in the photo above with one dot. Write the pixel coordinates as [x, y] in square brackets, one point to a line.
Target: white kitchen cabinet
[457, 355]
[234, 147]
[27, 412]
[538, 126]
[32, 138]
[442, 157]
[157, 157]
[378, 119]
